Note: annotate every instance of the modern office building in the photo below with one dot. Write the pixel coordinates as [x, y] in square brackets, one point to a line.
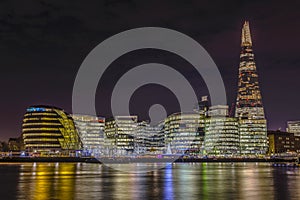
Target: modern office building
[221, 132]
[184, 133]
[120, 132]
[293, 127]
[218, 111]
[157, 140]
[252, 136]
[149, 139]
[282, 142]
[48, 129]
[140, 142]
[249, 108]
[91, 133]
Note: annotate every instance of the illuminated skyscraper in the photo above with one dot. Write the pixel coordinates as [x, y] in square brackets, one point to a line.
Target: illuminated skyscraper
[249, 107]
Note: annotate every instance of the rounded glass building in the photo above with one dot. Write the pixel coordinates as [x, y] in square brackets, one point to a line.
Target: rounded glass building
[47, 128]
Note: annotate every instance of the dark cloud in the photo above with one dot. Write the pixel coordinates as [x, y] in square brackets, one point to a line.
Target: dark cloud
[42, 44]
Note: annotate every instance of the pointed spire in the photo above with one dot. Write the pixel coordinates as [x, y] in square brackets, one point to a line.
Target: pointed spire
[246, 36]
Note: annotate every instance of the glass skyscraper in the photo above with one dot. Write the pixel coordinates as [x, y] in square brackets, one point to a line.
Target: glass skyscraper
[249, 107]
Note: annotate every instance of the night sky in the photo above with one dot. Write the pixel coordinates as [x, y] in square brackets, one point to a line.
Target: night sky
[43, 43]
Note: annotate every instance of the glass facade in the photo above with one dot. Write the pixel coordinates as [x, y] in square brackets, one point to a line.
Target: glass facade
[47, 128]
[221, 136]
[249, 101]
[218, 110]
[249, 107]
[184, 133]
[221, 132]
[91, 133]
[120, 132]
[253, 139]
[149, 139]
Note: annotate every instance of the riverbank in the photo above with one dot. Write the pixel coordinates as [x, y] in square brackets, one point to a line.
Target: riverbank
[138, 160]
[49, 159]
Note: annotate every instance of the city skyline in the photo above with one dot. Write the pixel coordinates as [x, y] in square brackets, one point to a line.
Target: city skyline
[28, 80]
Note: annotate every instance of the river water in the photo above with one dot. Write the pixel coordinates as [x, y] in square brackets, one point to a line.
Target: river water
[175, 181]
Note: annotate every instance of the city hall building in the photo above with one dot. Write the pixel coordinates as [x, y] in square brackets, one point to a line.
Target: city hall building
[49, 129]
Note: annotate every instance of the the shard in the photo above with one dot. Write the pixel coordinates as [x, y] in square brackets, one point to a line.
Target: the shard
[249, 107]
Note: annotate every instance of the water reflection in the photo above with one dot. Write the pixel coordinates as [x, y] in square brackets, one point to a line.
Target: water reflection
[286, 183]
[168, 182]
[175, 181]
[37, 181]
